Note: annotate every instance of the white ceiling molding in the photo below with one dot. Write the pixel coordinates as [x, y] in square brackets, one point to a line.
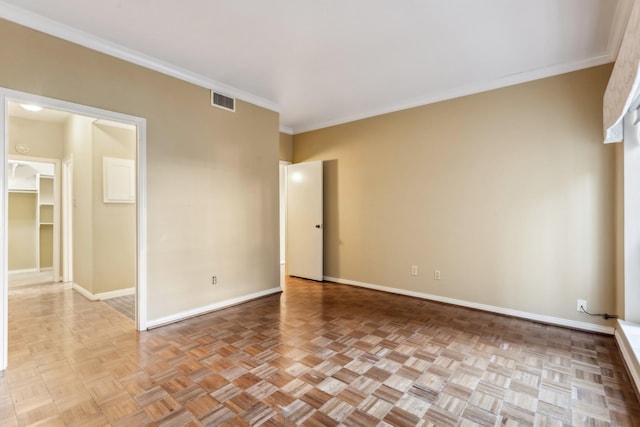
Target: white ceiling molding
[65, 32]
[470, 90]
[115, 124]
[507, 43]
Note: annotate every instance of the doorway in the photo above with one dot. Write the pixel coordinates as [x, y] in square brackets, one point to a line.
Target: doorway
[106, 118]
[33, 226]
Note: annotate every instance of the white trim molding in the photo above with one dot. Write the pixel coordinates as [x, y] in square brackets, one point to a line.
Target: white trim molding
[140, 123]
[459, 92]
[115, 294]
[628, 340]
[4, 243]
[26, 270]
[102, 295]
[183, 315]
[82, 291]
[49, 26]
[573, 324]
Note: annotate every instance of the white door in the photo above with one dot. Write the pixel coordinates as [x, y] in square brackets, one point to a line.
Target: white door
[304, 220]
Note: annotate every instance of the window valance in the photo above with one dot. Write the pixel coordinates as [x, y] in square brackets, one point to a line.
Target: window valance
[624, 84]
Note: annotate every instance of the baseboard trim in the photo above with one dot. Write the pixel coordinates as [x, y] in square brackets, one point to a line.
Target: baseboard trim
[82, 291]
[573, 324]
[628, 354]
[26, 270]
[102, 295]
[183, 315]
[115, 294]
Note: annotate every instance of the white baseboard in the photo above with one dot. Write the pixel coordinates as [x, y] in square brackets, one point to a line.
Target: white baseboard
[209, 308]
[102, 295]
[114, 294]
[82, 291]
[573, 324]
[26, 270]
[630, 357]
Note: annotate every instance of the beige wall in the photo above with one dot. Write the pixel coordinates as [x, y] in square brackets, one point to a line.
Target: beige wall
[43, 138]
[619, 231]
[510, 193]
[46, 195]
[286, 147]
[46, 247]
[104, 235]
[212, 175]
[78, 148]
[114, 224]
[22, 231]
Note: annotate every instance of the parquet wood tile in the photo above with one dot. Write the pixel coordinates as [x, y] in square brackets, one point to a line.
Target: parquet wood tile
[319, 354]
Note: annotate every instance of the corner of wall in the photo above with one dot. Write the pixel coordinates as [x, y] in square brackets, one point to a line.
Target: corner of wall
[286, 147]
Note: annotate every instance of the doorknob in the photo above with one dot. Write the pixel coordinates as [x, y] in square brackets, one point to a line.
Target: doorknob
[318, 225]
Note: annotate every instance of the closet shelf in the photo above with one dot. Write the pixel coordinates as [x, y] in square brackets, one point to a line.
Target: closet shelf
[27, 191]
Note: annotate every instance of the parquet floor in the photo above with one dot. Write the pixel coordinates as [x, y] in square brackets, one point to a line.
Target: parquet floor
[125, 304]
[316, 355]
[30, 278]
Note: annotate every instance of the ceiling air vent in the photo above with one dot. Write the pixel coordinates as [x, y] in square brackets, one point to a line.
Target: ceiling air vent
[222, 101]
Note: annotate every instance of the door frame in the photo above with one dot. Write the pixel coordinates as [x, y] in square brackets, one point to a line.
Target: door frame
[67, 220]
[282, 168]
[56, 211]
[7, 95]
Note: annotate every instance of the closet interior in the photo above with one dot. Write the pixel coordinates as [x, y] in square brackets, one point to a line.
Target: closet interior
[31, 201]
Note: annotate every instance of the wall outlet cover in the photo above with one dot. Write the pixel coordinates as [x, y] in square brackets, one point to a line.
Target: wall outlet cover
[581, 304]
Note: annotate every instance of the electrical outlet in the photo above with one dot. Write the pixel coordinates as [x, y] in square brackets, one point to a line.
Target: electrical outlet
[414, 270]
[581, 303]
[436, 274]
[214, 280]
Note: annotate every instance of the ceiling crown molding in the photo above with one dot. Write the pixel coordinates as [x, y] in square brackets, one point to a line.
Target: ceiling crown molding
[459, 92]
[65, 32]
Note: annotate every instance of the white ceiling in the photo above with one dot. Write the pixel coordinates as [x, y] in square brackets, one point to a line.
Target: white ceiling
[44, 115]
[323, 62]
[51, 115]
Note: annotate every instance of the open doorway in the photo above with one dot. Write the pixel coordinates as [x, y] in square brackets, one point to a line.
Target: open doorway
[33, 225]
[102, 162]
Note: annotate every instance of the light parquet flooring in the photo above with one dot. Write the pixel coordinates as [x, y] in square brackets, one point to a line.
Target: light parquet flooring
[30, 278]
[125, 304]
[317, 355]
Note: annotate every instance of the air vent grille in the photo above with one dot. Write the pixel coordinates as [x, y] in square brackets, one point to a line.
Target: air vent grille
[222, 101]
